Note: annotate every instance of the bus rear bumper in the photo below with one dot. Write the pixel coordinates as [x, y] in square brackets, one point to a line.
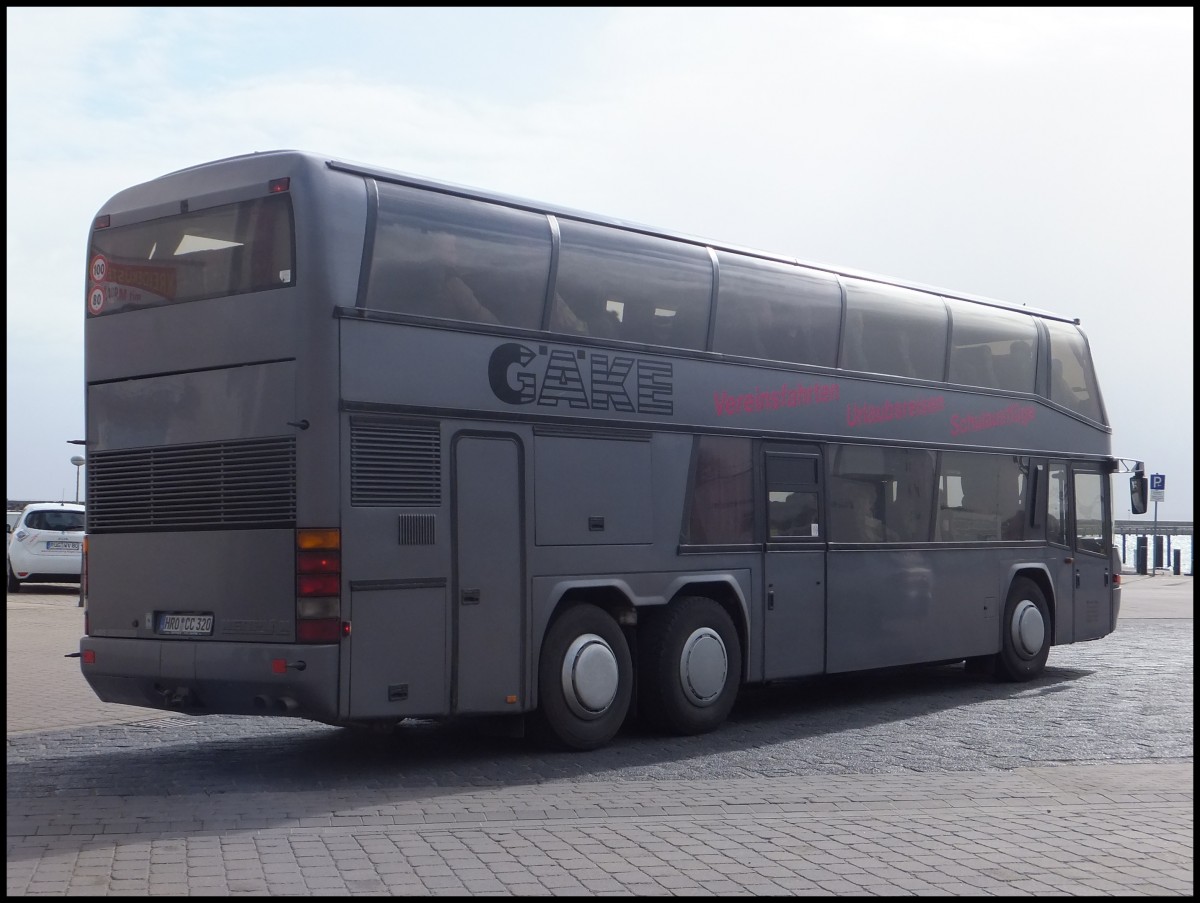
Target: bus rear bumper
[202, 678]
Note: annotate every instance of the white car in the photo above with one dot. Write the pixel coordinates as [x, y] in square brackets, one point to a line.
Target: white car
[46, 545]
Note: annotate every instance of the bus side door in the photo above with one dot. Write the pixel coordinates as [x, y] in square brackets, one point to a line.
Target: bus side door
[794, 563]
[1079, 522]
[489, 619]
[1092, 543]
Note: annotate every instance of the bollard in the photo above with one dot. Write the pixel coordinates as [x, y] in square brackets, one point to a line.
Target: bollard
[1141, 555]
[1178, 563]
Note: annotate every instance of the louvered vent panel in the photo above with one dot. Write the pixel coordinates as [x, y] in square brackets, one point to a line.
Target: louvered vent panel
[394, 464]
[417, 530]
[245, 485]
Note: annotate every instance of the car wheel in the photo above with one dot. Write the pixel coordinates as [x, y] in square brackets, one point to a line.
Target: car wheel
[690, 667]
[1025, 644]
[585, 679]
[14, 585]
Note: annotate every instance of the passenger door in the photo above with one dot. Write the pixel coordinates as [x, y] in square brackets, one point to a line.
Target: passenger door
[1062, 547]
[794, 570]
[1092, 542]
[1079, 524]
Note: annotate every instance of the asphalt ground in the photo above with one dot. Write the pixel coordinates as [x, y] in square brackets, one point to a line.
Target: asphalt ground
[1079, 783]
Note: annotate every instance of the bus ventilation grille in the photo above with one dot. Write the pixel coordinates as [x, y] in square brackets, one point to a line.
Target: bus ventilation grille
[245, 485]
[395, 464]
[417, 530]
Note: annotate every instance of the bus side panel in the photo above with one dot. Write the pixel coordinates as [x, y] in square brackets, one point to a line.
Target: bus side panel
[397, 651]
[395, 563]
[591, 491]
[905, 606]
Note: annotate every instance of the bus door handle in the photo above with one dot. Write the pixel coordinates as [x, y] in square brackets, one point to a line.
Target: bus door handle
[1077, 578]
[1106, 576]
[770, 599]
[470, 597]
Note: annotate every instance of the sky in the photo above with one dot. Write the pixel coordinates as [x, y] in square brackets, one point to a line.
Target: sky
[1040, 156]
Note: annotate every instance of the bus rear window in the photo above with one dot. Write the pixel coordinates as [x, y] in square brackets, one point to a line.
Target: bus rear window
[233, 249]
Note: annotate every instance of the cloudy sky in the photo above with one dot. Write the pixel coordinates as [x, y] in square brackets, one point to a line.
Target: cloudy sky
[1039, 156]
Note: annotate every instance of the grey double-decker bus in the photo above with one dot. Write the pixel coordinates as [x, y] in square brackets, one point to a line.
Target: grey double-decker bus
[365, 447]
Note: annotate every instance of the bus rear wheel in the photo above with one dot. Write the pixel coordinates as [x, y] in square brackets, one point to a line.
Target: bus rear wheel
[1025, 644]
[585, 679]
[689, 667]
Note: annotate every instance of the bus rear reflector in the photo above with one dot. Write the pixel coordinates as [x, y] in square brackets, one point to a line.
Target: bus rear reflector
[323, 630]
[277, 186]
[89, 656]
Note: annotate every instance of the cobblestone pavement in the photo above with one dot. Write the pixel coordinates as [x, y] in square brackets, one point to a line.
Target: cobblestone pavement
[923, 782]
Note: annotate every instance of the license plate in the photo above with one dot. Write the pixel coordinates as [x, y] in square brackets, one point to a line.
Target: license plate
[185, 625]
[62, 545]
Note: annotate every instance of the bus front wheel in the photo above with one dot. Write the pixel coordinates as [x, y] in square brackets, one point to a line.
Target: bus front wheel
[1025, 644]
[585, 679]
[690, 667]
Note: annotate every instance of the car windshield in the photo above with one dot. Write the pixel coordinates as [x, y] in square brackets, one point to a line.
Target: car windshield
[55, 520]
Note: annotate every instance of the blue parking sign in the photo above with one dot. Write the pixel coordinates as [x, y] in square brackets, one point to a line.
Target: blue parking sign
[1158, 486]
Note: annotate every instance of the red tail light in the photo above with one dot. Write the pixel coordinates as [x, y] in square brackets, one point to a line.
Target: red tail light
[318, 561]
[324, 630]
[318, 586]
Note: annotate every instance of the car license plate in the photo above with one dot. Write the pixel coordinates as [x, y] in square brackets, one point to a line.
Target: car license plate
[62, 545]
[185, 625]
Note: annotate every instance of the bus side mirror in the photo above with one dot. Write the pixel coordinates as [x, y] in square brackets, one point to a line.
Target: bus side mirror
[1137, 493]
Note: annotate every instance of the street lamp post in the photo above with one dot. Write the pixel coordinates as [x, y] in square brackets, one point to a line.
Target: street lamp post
[78, 461]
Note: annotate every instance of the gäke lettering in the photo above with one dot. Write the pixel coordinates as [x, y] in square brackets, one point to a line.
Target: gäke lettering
[579, 379]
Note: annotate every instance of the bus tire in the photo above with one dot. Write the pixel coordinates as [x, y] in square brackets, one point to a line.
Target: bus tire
[690, 667]
[585, 679]
[1025, 643]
